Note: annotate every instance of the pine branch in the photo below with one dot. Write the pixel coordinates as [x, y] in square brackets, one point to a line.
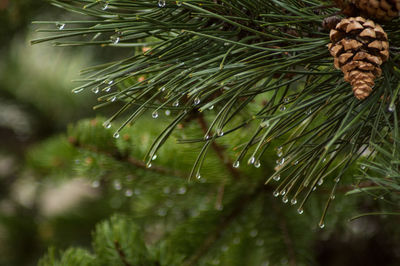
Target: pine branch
[121, 253]
[240, 205]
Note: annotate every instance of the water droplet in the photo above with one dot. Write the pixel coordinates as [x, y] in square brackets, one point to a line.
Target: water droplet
[161, 3]
[251, 160]
[362, 167]
[279, 153]
[95, 90]
[282, 108]
[166, 190]
[117, 184]
[286, 100]
[128, 192]
[107, 124]
[115, 39]
[178, 3]
[167, 112]
[281, 161]
[198, 176]
[285, 199]
[60, 26]
[116, 135]
[162, 212]
[277, 178]
[109, 82]
[207, 137]
[337, 179]
[283, 192]
[113, 99]
[308, 112]
[182, 190]
[96, 183]
[211, 107]
[236, 164]
[257, 164]
[154, 114]
[296, 162]
[148, 165]
[314, 188]
[333, 197]
[196, 101]
[105, 6]
[321, 225]
[323, 160]
[78, 90]
[154, 157]
[253, 233]
[275, 193]
[293, 201]
[320, 182]
[220, 133]
[107, 89]
[176, 103]
[162, 89]
[391, 107]
[300, 210]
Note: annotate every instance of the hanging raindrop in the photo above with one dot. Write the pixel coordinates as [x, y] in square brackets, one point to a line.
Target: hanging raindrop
[107, 124]
[320, 182]
[176, 103]
[251, 160]
[107, 89]
[277, 178]
[391, 108]
[105, 6]
[178, 3]
[321, 225]
[236, 164]
[196, 101]
[154, 114]
[296, 162]
[95, 90]
[113, 99]
[148, 165]
[162, 89]
[308, 112]
[293, 201]
[154, 157]
[285, 199]
[198, 176]
[220, 133]
[211, 107]
[300, 210]
[167, 112]
[279, 153]
[282, 108]
[362, 167]
[161, 3]
[286, 100]
[281, 161]
[257, 164]
[60, 26]
[276, 193]
[115, 39]
[283, 192]
[116, 135]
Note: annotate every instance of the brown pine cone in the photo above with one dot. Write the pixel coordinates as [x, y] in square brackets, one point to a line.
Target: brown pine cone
[359, 47]
[377, 9]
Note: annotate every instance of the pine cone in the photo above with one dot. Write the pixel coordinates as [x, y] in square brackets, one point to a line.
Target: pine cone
[378, 9]
[359, 47]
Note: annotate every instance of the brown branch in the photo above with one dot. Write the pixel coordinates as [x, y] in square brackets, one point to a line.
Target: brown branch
[121, 253]
[219, 150]
[240, 204]
[131, 160]
[285, 233]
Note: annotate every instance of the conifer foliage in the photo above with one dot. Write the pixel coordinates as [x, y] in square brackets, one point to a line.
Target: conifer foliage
[246, 75]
